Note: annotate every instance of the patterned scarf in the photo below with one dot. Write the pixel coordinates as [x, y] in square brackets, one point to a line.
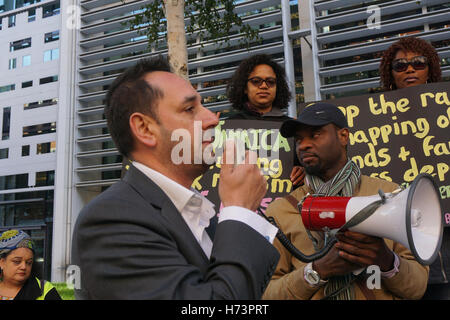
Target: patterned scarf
[13, 239]
[343, 184]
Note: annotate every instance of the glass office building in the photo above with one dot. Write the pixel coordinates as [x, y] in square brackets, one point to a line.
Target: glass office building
[29, 95]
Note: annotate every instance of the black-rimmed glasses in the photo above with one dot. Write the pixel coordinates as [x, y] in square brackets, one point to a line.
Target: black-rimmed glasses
[257, 82]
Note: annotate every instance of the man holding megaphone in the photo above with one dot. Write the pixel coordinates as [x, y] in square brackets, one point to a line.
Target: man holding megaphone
[321, 137]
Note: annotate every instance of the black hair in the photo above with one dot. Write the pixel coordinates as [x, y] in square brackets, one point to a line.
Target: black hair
[130, 93]
[236, 87]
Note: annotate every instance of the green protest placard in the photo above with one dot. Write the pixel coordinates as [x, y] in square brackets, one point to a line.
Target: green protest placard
[398, 134]
[275, 157]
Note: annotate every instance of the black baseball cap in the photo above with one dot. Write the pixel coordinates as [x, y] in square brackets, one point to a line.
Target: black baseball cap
[317, 114]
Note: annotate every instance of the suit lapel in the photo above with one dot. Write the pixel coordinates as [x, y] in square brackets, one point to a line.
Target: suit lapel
[151, 193]
[144, 186]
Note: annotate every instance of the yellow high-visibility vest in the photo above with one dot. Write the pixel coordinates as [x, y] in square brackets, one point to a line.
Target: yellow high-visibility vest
[47, 287]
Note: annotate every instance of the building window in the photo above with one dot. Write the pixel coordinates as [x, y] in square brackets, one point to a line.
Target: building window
[15, 181]
[8, 5]
[48, 80]
[39, 104]
[48, 147]
[6, 123]
[10, 87]
[4, 153]
[45, 178]
[27, 84]
[25, 151]
[19, 44]
[32, 15]
[50, 10]
[50, 55]
[12, 63]
[51, 36]
[26, 61]
[11, 21]
[26, 208]
[38, 129]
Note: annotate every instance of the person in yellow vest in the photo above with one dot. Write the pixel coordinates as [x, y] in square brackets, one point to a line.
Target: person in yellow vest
[17, 281]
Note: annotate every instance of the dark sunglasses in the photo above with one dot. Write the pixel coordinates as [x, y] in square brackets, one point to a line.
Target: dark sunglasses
[418, 63]
[257, 82]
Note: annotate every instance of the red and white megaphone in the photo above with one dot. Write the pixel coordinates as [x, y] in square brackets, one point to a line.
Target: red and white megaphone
[412, 217]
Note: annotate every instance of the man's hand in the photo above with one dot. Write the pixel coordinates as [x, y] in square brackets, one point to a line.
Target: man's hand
[241, 185]
[365, 250]
[297, 175]
[353, 251]
[332, 264]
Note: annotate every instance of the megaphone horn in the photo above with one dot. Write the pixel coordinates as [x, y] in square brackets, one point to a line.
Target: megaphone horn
[412, 217]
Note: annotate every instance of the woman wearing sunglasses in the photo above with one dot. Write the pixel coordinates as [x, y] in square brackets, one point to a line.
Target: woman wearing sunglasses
[411, 62]
[258, 91]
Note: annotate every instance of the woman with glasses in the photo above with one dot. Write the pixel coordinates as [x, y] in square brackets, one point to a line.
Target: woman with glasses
[409, 62]
[258, 91]
[406, 63]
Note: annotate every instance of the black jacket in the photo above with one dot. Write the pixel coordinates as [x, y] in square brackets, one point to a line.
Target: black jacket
[274, 115]
[31, 291]
[440, 269]
[131, 242]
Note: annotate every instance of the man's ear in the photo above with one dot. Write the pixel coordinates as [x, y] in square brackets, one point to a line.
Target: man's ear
[343, 135]
[143, 128]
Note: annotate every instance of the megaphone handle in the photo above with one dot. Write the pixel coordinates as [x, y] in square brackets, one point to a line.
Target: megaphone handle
[329, 242]
[363, 214]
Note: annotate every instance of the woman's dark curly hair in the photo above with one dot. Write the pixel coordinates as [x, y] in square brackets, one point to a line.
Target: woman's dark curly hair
[238, 83]
[410, 44]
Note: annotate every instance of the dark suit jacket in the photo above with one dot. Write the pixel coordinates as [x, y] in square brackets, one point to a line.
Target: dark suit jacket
[132, 243]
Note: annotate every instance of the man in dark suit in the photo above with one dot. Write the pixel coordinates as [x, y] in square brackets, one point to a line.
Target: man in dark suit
[145, 237]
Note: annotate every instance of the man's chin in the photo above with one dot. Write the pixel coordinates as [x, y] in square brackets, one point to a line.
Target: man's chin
[199, 169]
[313, 170]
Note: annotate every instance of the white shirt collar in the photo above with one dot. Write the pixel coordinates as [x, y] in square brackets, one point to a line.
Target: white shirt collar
[195, 209]
[178, 194]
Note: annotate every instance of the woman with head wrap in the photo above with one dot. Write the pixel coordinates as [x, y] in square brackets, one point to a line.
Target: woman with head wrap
[16, 262]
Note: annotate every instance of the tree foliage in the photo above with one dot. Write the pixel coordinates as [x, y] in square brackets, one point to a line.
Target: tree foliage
[214, 20]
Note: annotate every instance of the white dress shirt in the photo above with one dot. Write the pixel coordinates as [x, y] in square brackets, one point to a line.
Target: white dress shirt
[197, 211]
